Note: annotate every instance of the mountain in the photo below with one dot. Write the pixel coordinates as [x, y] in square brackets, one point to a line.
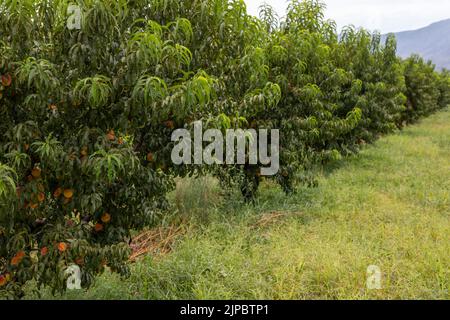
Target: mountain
[432, 43]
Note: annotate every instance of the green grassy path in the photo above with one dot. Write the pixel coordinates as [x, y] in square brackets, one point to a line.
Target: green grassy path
[388, 206]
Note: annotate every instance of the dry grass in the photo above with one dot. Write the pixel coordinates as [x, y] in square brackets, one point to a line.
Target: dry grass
[158, 241]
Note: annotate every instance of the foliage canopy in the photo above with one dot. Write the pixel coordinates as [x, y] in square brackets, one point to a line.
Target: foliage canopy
[87, 114]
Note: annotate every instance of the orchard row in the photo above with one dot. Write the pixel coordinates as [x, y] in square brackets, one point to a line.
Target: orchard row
[87, 114]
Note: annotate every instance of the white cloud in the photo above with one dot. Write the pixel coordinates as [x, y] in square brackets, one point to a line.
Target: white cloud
[383, 15]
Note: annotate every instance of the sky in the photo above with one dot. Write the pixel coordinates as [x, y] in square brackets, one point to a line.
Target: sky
[382, 15]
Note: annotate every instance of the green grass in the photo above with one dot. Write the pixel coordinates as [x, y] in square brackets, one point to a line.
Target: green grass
[388, 206]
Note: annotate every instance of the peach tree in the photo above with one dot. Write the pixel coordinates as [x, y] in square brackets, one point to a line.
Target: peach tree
[86, 119]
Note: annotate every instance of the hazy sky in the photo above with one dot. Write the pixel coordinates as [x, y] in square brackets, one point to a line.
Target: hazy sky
[383, 15]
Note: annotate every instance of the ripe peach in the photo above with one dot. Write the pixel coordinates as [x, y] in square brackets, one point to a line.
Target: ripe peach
[36, 172]
[111, 135]
[6, 80]
[98, 227]
[62, 246]
[169, 124]
[41, 197]
[68, 193]
[106, 217]
[2, 280]
[44, 251]
[57, 193]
